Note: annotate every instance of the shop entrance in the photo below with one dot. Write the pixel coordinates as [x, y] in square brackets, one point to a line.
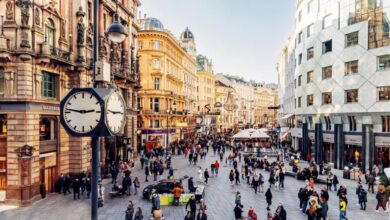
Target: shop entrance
[353, 154]
[328, 152]
[383, 157]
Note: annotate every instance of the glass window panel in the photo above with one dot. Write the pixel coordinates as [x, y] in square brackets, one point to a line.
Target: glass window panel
[351, 67]
[327, 72]
[351, 96]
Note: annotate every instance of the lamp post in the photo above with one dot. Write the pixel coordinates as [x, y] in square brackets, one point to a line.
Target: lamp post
[116, 33]
[169, 110]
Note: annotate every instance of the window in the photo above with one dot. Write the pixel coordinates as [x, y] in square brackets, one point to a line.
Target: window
[299, 102]
[47, 129]
[156, 124]
[3, 173]
[310, 30]
[326, 98]
[3, 125]
[156, 83]
[351, 67]
[150, 123]
[310, 100]
[299, 80]
[351, 96]
[327, 72]
[155, 104]
[300, 16]
[328, 123]
[156, 45]
[2, 81]
[295, 103]
[310, 6]
[352, 123]
[300, 36]
[50, 32]
[310, 120]
[384, 63]
[327, 46]
[310, 53]
[384, 93]
[385, 123]
[300, 59]
[310, 76]
[49, 85]
[352, 39]
[156, 63]
[327, 21]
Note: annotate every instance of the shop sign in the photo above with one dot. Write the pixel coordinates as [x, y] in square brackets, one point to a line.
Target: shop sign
[50, 108]
[296, 132]
[158, 131]
[328, 137]
[353, 139]
[382, 141]
[311, 136]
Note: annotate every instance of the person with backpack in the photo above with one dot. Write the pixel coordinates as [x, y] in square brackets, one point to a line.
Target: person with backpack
[362, 196]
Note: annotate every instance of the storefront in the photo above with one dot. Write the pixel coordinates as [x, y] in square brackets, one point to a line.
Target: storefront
[3, 156]
[157, 138]
[48, 146]
[297, 143]
[328, 144]
[353, 149]
[382, 152]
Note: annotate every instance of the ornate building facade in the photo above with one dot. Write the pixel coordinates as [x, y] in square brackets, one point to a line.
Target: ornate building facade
[168, 79]
[45, 50]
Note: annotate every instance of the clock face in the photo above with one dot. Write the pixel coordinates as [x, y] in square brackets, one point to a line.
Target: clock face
[115, 113]
[82, 112]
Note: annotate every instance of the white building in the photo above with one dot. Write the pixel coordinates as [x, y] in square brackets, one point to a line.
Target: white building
[341, 81]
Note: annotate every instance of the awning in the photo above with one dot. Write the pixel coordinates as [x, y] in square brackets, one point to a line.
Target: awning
[287, 116]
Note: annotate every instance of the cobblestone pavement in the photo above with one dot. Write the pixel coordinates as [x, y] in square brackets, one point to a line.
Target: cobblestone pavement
[219, 200]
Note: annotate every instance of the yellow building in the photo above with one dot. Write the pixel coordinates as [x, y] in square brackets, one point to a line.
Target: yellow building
[264, 97]
[167, 74]
[206, 94]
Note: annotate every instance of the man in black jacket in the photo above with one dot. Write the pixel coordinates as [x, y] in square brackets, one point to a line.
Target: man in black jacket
[238, 211]
[192, 204]
[76, 189]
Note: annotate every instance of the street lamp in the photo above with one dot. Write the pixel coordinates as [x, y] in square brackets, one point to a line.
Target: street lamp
[168, 112]
[117, 33]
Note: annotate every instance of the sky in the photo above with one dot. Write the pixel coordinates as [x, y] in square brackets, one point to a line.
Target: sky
[242, 37]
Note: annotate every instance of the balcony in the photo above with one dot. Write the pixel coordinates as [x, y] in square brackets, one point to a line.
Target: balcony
[60, 54]
[54, 54]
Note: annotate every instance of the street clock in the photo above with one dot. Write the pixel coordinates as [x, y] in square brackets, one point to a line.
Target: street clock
[87, 112]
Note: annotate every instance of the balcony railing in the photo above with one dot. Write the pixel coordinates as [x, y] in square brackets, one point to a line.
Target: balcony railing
[60, 54]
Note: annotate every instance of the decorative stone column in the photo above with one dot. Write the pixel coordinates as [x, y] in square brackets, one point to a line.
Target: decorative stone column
[338, 143]
[80, 14]
[25, 6]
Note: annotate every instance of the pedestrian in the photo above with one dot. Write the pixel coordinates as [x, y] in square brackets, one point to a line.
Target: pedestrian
[136, 184]
[371, 181]
[324, 209]
[238, 198]
[88, 186]
[202, 205]
[114, 174]
[155, 203]
[255, 182]
[335, 182]
[188, 216]
[231, 177]
[206, 176]
[76, 189]
[201, 215]
[343, 207]
[147, 173]
[362, 196]
[130, 211]
[238, 211]
[329, 181]
[261, 182]
[177, 191]
[282, 174]
[271, 179]
[138, 214]
[192, 204]
[191, 186]
[212, 166]
[142, 161]
[281, 213]
[216, 164]
[381, 198]
[268, 196]
[342, 191]
[66, 187]
[237, 176]
[200, 174]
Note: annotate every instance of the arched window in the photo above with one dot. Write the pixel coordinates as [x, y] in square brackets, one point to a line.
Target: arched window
[50, 32]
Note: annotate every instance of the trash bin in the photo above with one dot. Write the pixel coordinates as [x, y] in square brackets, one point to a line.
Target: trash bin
[346, 173]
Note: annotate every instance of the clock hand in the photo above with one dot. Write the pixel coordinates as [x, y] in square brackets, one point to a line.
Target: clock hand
[114, 112]
[80, 111]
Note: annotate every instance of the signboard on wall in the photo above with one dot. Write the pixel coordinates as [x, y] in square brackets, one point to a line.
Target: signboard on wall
[353, 139]
[311, 136]
[296, 132]
[328, 137]
[382, 141]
